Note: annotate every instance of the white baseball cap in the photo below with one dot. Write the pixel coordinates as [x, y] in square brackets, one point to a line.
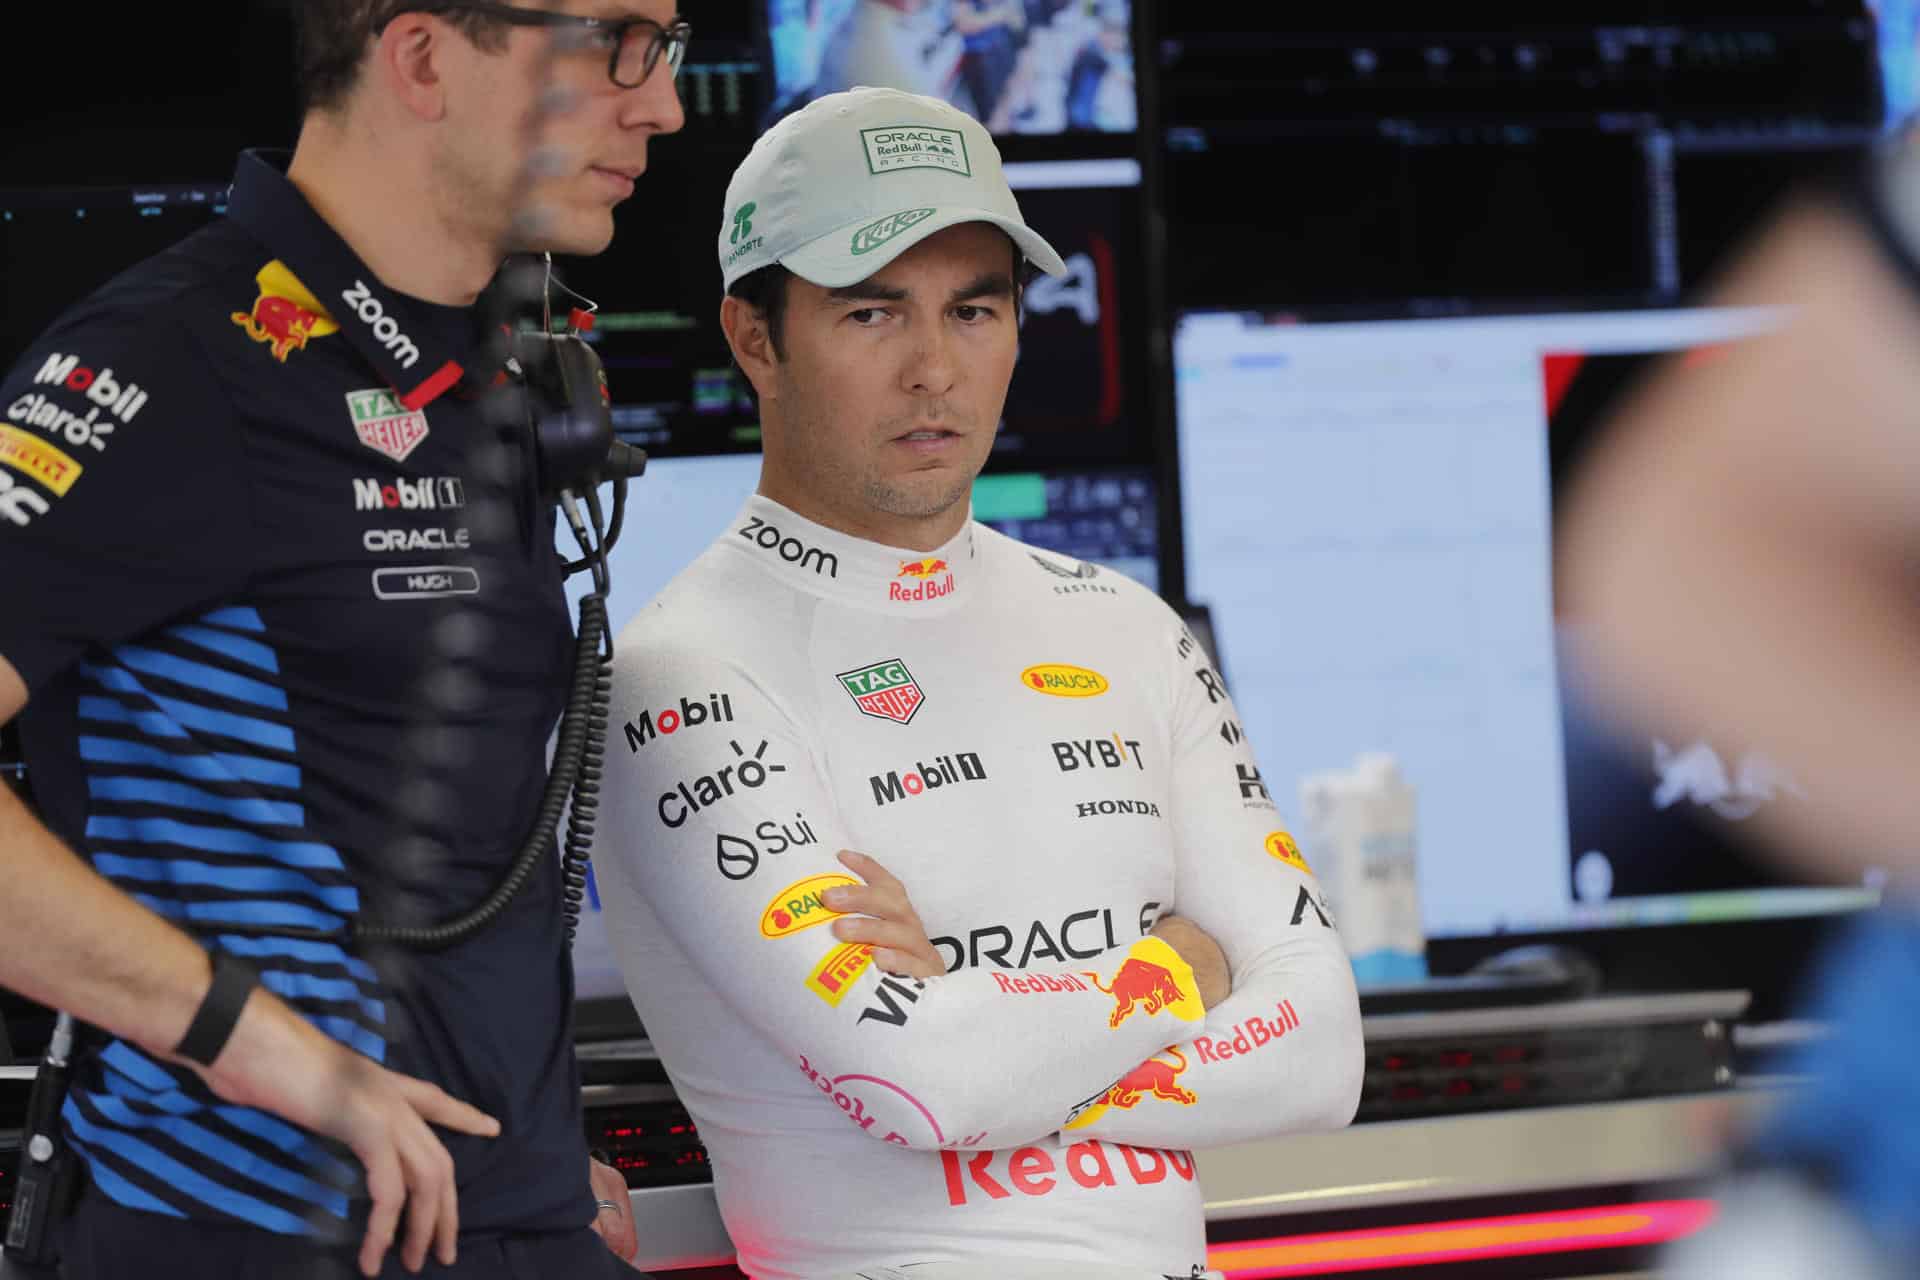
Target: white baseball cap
[843, 186]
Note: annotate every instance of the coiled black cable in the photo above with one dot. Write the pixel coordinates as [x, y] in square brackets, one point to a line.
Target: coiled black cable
[593, 754]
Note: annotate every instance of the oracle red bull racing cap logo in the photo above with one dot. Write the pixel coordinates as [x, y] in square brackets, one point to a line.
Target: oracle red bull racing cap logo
[1154, 1078]
[1152, 978]
[885, 690]
[285, 315]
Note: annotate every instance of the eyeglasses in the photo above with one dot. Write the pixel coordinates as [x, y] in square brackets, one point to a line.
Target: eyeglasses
[633, 45]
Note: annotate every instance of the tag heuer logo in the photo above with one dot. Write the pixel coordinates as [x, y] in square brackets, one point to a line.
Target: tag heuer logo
[885, 690]
[915, 146]
[875, 234]
[384, 424]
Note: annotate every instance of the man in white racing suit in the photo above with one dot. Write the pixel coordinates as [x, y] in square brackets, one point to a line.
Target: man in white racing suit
[996, 1057]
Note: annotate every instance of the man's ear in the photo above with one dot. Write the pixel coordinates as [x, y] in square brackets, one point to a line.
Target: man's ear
[746, 328]
[406, 63]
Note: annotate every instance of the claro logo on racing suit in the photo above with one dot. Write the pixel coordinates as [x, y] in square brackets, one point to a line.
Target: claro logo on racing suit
[717, 709]
[798, 906]
[944, 771]
[1062, 681]
[442, 493]
[1031, 1171]
[1154, 1078]
[1092, 929]
[738, 857]
[792, 550]
[109, 396]
[747, 772]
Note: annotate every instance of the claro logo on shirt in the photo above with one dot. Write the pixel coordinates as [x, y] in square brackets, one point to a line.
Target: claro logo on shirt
[1057, 679]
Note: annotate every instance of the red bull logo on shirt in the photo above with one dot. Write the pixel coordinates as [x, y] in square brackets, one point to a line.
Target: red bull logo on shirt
[286, 315]
[1154, 1078]
[929, 586]
[1152, 977]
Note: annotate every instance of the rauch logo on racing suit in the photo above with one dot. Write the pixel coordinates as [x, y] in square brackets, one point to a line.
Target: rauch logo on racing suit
[798, 906]
[923, 777]
[718, 709]
[1280, 845]
[1059, 680]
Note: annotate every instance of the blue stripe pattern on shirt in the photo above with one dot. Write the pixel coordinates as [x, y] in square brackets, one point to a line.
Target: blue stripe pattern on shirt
[177, 795]
[240, 617]
[215, 766]
[118, 1188]
[295, 853]
[192, 715]
[285, 915]
[198, 675]
[247, 651]
[179, 871]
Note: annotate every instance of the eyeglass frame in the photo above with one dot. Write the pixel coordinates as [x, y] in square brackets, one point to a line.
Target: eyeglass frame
[670, 38]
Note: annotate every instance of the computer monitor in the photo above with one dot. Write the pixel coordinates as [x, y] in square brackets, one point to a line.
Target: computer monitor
[1368, 512]
[1032, 67]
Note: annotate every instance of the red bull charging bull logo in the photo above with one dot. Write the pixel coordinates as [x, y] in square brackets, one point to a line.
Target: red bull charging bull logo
[1152, 977]
[285, 315]
[1154, 1078]
[933, 580]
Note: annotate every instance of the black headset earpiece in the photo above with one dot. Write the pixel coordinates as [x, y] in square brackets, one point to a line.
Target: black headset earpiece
[571, 413]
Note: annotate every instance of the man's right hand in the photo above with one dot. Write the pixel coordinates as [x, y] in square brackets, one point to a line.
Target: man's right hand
[279, 1062]
[1202, 954]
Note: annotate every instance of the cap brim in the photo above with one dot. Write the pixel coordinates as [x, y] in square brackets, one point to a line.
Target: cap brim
[831, 263]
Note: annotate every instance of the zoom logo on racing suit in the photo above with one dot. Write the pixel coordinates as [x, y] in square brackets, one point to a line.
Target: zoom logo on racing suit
[792, 550]
[738, 857]
[748, 772]
[945, 771]
[443, 493]
[386, 330]
[717, 709]
[994, 942]
[1093, 753]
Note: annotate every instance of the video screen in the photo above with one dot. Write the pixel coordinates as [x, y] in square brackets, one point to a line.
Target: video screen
[1368, 512]
[1017, 66]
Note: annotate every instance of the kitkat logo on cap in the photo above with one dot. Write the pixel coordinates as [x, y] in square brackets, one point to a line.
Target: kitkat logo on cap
[798, 906]
[877, 233]
[1059, 680]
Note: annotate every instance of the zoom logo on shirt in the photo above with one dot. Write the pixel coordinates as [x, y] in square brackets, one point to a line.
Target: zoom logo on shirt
[386, 330]
[792, 550]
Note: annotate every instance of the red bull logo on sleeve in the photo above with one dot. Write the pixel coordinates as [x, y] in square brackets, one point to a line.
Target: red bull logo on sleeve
[1280, 845]
[1154, 1078]
[798, 906]
[286, 315]
[1153, 977]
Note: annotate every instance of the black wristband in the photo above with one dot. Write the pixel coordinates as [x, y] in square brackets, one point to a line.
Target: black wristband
[233, 981]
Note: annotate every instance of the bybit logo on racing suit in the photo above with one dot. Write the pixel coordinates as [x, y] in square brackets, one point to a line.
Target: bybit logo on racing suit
[444, 493]
[718, 709]
[792, 550]
[1154, 1078]
[1280, 845]
[1059, 680]
[748, 772]
[738, 857]
[109, 395]
[923, 777]
[798, 906]
[929, 587]
[885, 690]
[1091, 753]
[285, 315]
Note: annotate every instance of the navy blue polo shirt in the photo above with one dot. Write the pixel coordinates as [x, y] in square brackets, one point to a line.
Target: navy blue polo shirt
[289, 608]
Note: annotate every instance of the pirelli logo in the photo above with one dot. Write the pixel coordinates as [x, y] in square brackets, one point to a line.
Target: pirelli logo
[35, 458]
[838, 970]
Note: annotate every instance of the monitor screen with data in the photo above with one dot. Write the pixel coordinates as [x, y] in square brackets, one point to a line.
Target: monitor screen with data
[1368, 513]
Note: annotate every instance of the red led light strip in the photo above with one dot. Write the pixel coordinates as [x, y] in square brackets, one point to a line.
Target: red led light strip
[1341, 1252]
